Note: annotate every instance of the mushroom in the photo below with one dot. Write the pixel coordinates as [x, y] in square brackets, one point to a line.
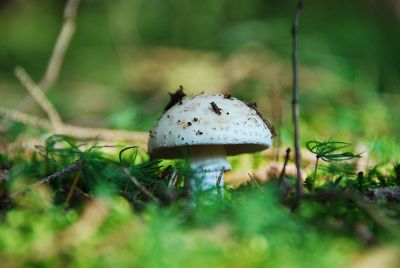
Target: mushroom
[206, 128]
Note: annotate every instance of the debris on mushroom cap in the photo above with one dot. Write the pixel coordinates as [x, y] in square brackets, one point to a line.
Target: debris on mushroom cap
[215, 108]
[253, 105]
[228, 96]
[175, 98]
[196, 122]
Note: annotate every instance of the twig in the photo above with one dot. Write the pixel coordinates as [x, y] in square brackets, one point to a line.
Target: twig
[72, 189]
[24, 118]
[55, 121]
[283, 171]
[140, 186]
[48, 80]
[75, 131]
[74, 167]
[295, 100]
[83, 194]
[64, 39]
[57, 57]
[39, 96]
[173, 178]
[255, 182]
[103, 134]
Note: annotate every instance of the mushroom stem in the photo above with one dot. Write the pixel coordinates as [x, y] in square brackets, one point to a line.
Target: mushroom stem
[209, 163]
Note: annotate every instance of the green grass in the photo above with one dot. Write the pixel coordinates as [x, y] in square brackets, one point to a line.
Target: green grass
[109, 223]
[257, 231]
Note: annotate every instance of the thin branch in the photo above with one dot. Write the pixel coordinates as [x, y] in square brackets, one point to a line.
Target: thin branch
[72, 189]
[60, 48]
[74, 167]
[140, 186]
[39, 96]
[295, 100]
[24, 118]
[103, 134]
[73, 131]
[48, 80]
[63, 41]
[255, 182]
[283, 171]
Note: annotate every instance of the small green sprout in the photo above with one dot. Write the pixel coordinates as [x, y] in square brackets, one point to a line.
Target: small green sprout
[328, 151]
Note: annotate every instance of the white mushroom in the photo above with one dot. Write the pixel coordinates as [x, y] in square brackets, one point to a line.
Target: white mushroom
[206, 128]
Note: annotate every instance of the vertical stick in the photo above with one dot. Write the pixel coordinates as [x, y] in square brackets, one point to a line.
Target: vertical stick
[61, 46]
[39, 96]
[282, 175]
[72, 189]
[295, 100]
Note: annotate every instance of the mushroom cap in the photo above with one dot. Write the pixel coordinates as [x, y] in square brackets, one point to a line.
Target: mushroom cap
[205, 120]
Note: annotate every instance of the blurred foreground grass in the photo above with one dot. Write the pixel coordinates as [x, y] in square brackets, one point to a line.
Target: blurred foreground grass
[108, 221]
[257, 232]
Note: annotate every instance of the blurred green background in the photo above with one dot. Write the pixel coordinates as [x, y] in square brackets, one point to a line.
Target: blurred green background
[126, 55]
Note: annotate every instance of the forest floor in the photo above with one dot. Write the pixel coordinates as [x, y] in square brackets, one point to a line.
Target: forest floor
[75, 204]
